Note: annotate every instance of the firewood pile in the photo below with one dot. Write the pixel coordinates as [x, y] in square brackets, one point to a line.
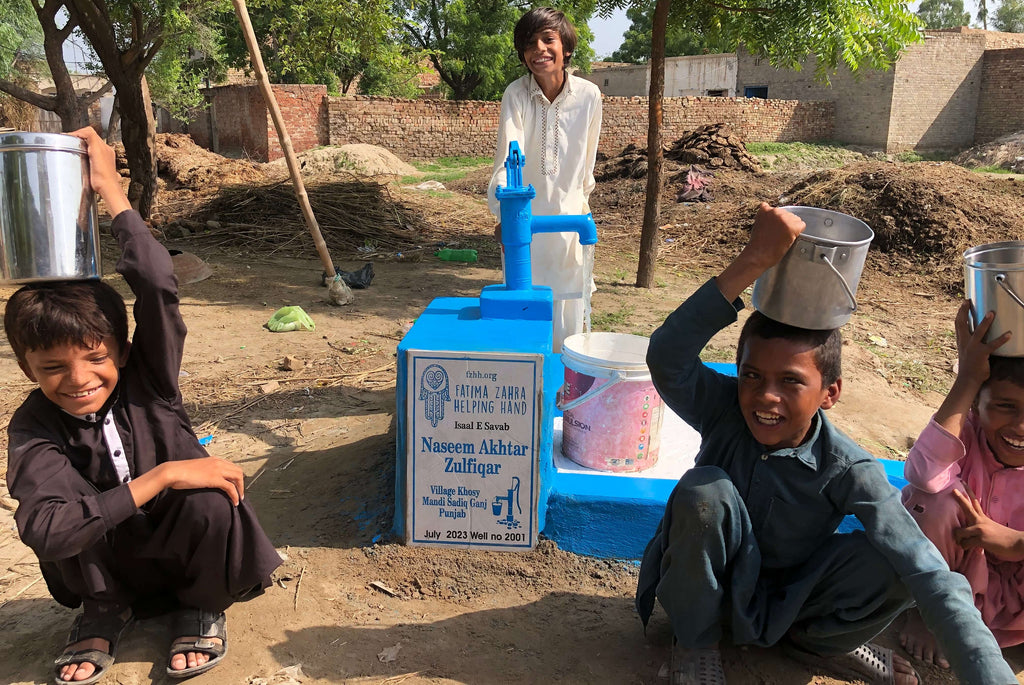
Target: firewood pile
[713, 146]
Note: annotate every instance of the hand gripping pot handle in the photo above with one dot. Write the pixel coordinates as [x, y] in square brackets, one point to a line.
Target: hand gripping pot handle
[617, 377]
[1001, 280]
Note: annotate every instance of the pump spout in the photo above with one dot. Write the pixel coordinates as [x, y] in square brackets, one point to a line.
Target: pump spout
[583, 224]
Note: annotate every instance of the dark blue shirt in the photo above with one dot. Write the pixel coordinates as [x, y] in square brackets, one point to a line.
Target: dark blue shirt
[797, 496]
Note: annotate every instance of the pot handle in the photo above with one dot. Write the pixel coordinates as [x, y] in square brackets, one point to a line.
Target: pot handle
[587, 396]
[1001, 280]
[846, 286]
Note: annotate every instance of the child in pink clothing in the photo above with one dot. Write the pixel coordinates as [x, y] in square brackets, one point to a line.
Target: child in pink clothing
[966, 486]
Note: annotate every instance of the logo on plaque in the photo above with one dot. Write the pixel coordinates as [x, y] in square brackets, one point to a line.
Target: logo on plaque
[434, 393]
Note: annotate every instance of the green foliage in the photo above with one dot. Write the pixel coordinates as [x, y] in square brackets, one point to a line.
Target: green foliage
[943, 14]
[21, 37]
[315, 41]
[1009, 16]
[393, 73]
[636, 41]
[860, 34]
[470, 44]
[192, 53]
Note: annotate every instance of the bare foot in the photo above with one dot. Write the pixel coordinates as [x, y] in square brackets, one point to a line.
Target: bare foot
[919, 641]
[83, 669]
[179, 662]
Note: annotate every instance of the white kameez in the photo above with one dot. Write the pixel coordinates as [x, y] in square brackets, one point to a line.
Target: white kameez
[559, 140]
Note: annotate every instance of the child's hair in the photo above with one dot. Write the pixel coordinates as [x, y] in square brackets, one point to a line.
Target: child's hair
[544, 19]
[41, 316]
[827, 344]
[1006, 369]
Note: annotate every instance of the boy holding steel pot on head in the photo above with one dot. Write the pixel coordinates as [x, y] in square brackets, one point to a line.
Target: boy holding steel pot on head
[747, 549]
[120, 503]
[965, 486]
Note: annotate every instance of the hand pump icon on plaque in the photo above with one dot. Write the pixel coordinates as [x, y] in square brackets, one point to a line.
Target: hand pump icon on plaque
[509, 521]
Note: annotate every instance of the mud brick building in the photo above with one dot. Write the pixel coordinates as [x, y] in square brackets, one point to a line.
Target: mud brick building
[957, 88]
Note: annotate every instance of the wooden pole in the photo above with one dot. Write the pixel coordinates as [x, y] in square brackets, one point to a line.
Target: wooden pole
[282, 135]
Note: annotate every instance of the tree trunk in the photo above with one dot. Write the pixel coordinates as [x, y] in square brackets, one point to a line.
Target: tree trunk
[655, 156]
[138, 133]
[113, 123]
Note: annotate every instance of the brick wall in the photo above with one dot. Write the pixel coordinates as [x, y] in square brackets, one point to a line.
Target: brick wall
[935, 94]
[304, 109]
[861, 103]
[625, 119]
[1001, 100]
[423, 129]
[415, 129]
[234, 124]
[929, 100]
[238, 123]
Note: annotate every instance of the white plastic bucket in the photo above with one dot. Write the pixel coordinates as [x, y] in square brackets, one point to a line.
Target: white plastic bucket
[611, 413]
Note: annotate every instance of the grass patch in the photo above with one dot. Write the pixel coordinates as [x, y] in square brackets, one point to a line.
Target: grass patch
[605, 321]
[448, 163]
[924, 156]
[445, 169]
[779, 156]
[992, 169]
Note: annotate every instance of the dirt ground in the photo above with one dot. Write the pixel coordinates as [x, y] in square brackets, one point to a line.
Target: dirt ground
[352, 605]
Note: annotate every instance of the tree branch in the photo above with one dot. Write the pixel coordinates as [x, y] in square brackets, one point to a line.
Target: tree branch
[90, 98]
[47, 102]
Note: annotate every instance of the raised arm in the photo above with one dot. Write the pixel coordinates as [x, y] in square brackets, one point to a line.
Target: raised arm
[159, 338]
[973, 368]
[774, 231]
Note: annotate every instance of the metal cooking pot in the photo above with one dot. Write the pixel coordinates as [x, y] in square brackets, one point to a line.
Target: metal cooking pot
[815, 284]
[48, 223]
[994, 278]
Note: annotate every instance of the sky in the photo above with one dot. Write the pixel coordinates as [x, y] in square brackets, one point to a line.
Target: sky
[608, 32]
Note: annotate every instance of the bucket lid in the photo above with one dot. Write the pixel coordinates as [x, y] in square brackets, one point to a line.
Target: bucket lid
[827, 227]
[619, 351]
[33, 140]
[1004, 256]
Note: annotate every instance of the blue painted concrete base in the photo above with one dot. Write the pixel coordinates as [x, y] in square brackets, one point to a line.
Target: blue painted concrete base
[607, 515]
[604, 515]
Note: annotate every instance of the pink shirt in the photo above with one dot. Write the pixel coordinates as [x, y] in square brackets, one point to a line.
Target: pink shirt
[940, 461]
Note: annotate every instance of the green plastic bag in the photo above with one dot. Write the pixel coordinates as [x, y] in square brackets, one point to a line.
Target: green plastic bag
[290, 319]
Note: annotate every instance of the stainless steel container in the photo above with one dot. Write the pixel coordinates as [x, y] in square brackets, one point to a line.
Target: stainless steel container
[815, 284]
[48, 224]
[994, 282]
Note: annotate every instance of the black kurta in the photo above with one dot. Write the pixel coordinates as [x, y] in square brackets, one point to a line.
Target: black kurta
[80, 519]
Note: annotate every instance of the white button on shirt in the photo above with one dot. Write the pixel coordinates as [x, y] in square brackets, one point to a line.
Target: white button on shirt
[112, 439]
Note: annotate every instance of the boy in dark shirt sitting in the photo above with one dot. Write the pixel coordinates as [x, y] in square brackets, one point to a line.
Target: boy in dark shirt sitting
[115, 495]
[748, 548]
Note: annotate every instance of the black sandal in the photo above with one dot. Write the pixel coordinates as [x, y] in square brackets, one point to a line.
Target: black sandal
[109, 627]
[207, 625]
